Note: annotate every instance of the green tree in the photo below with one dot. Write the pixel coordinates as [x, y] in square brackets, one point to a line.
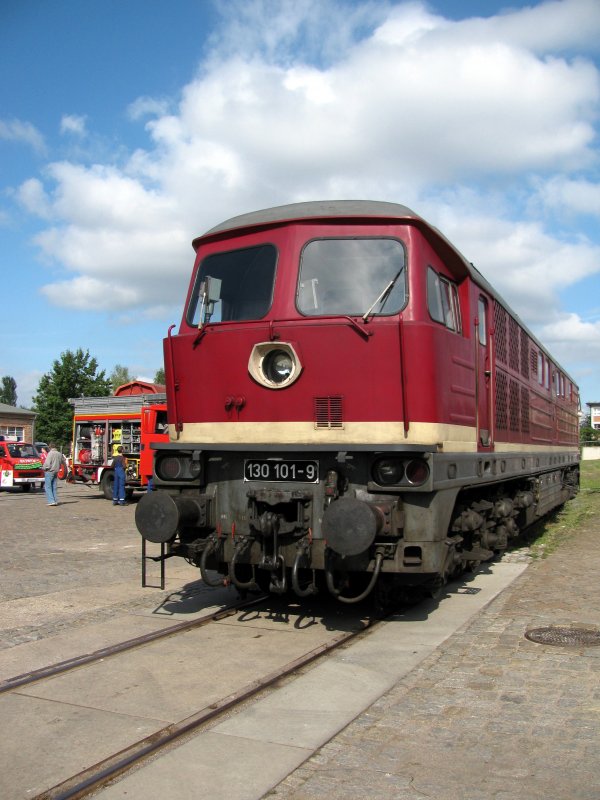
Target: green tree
[74, 375]
[8, 392]
[588, 436]
[160, 376]
[119, 376]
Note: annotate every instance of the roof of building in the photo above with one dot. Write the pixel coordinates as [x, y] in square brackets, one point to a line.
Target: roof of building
[13, 411]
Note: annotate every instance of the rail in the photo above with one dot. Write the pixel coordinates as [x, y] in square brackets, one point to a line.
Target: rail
[61, 667]
[95, 777]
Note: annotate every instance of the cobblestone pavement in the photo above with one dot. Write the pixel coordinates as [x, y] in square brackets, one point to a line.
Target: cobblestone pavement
[490, 714]
[74, 564]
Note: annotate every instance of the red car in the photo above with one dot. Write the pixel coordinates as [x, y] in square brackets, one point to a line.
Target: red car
[42, 449]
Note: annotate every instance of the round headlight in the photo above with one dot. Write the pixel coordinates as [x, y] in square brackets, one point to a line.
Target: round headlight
[275, 365]
[278, 366]
[417, 472]
[170, 468]
[388, 471]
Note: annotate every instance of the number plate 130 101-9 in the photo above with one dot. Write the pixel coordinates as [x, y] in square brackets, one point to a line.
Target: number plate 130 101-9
[280, 471]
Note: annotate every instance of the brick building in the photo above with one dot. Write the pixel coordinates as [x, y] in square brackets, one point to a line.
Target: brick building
[17, 424]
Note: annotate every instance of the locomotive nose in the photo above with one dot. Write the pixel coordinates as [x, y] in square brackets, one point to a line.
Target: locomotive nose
[349, 526]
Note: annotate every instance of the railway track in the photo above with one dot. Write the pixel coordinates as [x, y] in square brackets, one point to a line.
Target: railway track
[61, 667]
[102, 772]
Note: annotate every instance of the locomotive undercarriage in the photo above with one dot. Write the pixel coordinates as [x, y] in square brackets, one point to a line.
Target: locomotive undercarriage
[342, 534]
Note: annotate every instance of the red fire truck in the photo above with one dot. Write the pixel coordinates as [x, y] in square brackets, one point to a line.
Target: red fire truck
[103, 424]
[20, 465]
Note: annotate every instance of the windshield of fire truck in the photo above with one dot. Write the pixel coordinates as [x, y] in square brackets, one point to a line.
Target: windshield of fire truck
[22, 451]
[344, 276]
[247, 277]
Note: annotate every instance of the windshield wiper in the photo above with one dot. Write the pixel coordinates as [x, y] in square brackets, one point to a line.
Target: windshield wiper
[383, 296]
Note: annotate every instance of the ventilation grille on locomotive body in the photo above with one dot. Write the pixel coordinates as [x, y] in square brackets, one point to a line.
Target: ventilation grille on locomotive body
[517, 361]
[512, 400]
[328, 412]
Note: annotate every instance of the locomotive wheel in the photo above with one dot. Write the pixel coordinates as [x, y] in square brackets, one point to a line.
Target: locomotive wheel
[106, 486]
[433, 590]
[386, 597]
[390, 595]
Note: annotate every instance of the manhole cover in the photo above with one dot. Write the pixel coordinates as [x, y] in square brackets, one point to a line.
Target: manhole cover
[564, 637]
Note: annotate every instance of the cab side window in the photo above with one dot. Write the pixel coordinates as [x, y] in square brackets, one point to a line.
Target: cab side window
[161, 425]
[442, 301]
[482, 318]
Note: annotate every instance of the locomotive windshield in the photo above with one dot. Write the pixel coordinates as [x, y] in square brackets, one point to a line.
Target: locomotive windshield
[344, 276]
[247, 278]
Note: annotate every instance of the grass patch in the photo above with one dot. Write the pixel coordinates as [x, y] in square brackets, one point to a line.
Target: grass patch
[590, 475]
[547, 535]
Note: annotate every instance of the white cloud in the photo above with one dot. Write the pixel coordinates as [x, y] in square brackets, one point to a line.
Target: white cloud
[147, 107]
[575, 196]
[551, 26]
[527, 265]
[15, 130]
[119, 234]
[569, 327]
[32, 196]
[105, 197]
[312, 100]
[573, 340]
[276, 31]
[74, 125]
[114, 278]
[541, 28]
[90, 294]
[426, 114]
[27, 386]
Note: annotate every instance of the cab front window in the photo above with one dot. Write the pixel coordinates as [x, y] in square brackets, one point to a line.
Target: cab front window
[244, 279]
[352, 277]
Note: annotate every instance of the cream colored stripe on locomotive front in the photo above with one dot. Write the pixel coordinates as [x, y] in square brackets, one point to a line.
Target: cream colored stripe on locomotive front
[455, 438]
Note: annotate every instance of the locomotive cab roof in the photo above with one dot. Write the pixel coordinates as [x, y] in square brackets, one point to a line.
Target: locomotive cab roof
[325, 210]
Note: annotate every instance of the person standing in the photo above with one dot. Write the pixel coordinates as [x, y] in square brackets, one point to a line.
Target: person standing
[52, 464]
[119, 464]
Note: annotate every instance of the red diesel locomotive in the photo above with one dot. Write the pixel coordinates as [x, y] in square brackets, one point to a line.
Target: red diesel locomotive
[352, 405]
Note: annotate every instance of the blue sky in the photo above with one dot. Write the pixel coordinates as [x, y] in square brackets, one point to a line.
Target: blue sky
[129, 127]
